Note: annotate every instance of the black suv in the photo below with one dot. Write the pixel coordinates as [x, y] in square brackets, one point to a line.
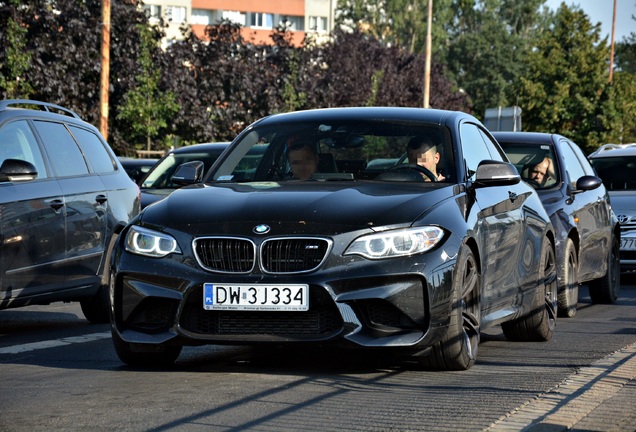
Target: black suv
[64, 197]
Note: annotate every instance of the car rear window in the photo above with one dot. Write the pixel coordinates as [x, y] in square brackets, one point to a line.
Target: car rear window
[94, 151]
[617, 173]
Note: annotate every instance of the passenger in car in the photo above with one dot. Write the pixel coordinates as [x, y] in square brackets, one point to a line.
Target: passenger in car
[422, 151]
[302, 159]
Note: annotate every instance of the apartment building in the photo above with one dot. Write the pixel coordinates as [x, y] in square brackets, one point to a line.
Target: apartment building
[258, 17]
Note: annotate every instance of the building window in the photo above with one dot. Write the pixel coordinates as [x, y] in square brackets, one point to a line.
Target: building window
[318, 24]
[234, 17]
[295, 23]
[202, 16]
[176, 14]
[153, 12]
[261, 20]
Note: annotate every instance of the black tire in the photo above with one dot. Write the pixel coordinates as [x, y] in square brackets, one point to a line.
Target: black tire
[152, 356]
[539, 324]
[569, 293]
[458, 349]
[605, 290]
[96, 309]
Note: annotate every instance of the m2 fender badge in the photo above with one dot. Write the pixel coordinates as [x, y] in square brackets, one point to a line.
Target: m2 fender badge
[261, 229]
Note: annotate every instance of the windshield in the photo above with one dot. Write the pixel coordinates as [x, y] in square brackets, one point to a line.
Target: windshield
[343, 150]
[536, 163]
[617, 173]
[161, 175]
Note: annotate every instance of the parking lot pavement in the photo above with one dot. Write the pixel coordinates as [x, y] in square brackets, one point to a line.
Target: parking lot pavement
[600, 397]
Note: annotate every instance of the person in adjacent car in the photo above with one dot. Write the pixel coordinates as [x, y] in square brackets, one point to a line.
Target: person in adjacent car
[303, 160]
[422, 151]
[541, 174]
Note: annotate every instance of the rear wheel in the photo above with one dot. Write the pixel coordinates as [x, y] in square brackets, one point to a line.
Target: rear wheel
[539, 324]
[569, 293]
[458, 349]
[605, 289]
[145, 355]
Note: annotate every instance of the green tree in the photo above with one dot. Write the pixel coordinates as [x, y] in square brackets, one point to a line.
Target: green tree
[564, 86]
[487, 45]
[15, 58]
[618, 116]
[397, 22]
[146, 106]
[625, 59]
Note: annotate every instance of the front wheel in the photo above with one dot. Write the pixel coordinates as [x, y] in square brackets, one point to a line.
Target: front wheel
[539, 324]
[605, 290]
[569, 292]
[153, 356]
[458, 349]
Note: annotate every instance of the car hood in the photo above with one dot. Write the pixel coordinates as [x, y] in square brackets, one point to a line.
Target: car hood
[149, 196]
[623, 202]
[295, 206]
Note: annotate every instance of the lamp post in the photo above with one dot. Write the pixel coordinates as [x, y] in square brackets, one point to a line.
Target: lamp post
[427, 67]
[611, 63]
[105, 71]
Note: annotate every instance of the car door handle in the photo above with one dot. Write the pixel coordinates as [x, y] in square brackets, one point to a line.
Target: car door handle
[101, 199]
[56, 204]
[512, 196]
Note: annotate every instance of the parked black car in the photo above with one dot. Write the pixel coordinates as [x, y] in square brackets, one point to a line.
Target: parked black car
[587, 230]
[64, 198]
[616, 165]
[254, 255]
[137, 168]
[158, 182]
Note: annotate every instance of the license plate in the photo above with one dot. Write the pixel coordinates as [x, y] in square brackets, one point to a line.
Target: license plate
[255, 297]
[628, 243]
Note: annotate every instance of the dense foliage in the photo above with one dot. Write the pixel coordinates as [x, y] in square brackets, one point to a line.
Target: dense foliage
[486, 53]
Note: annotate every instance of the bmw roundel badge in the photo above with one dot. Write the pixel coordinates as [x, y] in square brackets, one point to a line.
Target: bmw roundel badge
[261, 229]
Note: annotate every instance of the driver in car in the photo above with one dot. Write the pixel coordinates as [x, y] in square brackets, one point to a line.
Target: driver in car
[302, 159]
[542, 174]
[422, 151]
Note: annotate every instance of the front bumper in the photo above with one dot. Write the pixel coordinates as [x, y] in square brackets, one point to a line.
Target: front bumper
[392, 303]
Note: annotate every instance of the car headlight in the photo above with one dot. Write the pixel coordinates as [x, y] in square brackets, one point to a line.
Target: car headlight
[142, 241]
[393, 244]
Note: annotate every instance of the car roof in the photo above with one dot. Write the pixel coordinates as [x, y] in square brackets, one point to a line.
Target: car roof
[369, 113]
[525, 137]
[614, 150]
[202, 147]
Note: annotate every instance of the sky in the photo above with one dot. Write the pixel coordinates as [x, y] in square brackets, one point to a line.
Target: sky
[602, 11]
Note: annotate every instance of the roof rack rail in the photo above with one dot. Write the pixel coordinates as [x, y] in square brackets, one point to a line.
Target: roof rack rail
[608, 147]
[45, 106]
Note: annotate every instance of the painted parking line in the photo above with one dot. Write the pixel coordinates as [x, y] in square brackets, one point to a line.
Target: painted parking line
[576, 397]
[17, 349]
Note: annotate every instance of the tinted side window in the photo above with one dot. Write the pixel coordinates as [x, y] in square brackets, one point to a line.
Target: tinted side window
[573, 165]
[18, 142]
[474, 148]
[496, 153]
[582, 159]
[94, 151]
[65, 155]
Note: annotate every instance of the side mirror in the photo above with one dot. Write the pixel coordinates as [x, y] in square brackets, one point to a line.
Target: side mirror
[15, 170]
[496, 173]
[188, 173]
[587, 183]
